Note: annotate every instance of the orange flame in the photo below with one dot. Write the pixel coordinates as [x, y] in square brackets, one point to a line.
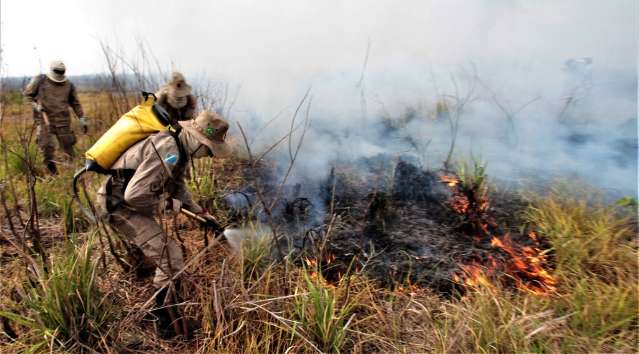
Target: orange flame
[525, 264]
[528, 261]
[459, 204]
[317, 269]
[451, 181]
[473, 276]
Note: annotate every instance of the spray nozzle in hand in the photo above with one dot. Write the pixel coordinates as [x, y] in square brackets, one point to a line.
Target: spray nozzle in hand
[207, 220]
[211, 222]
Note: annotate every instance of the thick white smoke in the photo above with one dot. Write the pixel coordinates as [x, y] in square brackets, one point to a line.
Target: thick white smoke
[556, 96]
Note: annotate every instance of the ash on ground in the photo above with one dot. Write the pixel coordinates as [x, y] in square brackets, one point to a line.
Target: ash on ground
[387, 217]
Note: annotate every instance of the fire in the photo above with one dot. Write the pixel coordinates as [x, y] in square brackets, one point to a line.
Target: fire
[312, 263]
[524, 265]
[319, 269]
[459, 204]
[408, 288]
[473, 276]
[465, 201]
[451, 181]
[528, 263]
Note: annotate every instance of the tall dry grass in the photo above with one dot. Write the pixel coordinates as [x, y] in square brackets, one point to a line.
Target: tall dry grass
[249, 304]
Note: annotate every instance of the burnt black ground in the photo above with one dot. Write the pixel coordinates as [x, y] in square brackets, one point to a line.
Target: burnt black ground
[392, 220]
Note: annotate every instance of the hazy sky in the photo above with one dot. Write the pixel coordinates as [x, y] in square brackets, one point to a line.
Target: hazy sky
[236, 37]
[294, 44]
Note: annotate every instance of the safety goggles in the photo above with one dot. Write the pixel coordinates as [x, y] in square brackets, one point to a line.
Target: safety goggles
[59, 71]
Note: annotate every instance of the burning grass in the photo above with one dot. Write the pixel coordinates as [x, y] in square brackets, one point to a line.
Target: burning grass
[525, 265]
[587, 312]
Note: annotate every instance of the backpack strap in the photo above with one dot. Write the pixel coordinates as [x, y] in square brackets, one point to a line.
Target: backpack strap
[123, 176]
[162, 115]
[158, 110]
[175, 133]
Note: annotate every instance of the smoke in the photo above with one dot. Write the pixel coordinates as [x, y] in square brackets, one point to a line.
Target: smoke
[548, 88]
[551, 128]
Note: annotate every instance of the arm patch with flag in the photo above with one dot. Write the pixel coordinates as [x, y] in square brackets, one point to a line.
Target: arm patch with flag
[170, 159]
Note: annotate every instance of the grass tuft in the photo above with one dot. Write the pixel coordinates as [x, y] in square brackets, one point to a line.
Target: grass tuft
[65, 307]
[322, 314]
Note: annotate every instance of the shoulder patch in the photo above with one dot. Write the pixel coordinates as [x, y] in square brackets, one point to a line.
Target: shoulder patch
[170, 159]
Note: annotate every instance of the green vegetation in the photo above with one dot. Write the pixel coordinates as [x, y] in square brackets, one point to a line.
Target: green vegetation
[320, 314]
[64, 306]
[255, 253]
[473, 177]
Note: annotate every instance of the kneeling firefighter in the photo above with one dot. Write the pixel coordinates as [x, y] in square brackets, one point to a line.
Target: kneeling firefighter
[147, 179]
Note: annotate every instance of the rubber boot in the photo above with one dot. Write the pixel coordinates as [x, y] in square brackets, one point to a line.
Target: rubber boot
[188, 326]
[161, 312]
[170, 321]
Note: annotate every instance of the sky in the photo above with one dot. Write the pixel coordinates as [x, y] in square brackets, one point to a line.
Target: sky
[234, 36]
[272, 52]
[295, 44]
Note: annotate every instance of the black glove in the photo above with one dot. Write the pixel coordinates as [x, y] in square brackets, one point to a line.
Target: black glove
[211, 222]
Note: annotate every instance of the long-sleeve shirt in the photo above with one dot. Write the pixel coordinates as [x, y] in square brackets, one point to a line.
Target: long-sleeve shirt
[158, 175]
[55, 98]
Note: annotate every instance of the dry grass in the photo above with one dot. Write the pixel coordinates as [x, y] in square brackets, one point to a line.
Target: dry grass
[248, 304]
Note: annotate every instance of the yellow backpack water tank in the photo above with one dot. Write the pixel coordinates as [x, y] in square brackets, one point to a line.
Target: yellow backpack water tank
[135, 125]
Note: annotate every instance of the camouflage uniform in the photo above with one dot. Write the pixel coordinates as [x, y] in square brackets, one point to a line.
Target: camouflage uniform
[149, 173]
[55, 99]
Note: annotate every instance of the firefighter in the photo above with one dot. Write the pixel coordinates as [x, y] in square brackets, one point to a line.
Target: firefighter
[51, 95]
[149, 180]
[176, 98]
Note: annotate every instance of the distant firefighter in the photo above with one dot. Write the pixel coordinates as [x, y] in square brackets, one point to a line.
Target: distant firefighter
[51, 95]
[176, 98]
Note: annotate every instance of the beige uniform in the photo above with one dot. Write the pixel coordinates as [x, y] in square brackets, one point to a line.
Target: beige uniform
[55, 98]
[150, 172]
[185, 113]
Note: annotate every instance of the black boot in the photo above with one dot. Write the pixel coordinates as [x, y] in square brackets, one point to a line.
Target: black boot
[52, 167]
[161, 312]
[170, 321]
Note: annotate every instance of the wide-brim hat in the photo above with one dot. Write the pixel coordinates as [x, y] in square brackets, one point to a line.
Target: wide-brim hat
[57, 65]
[210, 129]
[177, 86]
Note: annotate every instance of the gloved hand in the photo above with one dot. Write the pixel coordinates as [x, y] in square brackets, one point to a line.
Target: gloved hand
[211, 221]
[38, 107]
[172, 205]
[84, 124]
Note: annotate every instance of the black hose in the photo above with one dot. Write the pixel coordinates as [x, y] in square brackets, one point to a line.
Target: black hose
[76, 177]
[76, 194]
